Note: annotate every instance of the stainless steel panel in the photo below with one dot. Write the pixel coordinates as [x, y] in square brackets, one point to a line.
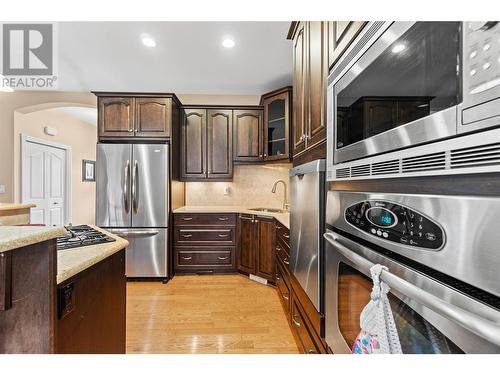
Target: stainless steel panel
[113, 185]
[467, 339]
[305, 228]
[146, 255]
[150, 188]
[470, 253]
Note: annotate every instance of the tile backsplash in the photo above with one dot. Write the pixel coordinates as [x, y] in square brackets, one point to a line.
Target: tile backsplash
[251, 187]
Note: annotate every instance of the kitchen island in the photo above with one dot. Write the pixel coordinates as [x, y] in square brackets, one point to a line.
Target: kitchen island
[60, 301]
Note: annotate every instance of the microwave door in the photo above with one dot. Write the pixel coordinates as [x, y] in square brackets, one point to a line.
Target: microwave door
[150, 187]
[113, 185]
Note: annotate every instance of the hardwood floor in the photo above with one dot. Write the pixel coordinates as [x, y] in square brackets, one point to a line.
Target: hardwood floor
[206, 314]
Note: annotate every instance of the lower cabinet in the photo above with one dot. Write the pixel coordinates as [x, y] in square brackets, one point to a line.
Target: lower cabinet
[256, 253]
[204, 243]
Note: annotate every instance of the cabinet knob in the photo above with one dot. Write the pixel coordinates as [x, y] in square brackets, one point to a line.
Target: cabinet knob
[130, 130]
[260, 155]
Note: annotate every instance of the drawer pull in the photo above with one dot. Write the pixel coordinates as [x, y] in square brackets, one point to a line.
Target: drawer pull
[187, 235]
[187, 218]
[223, 218]
[286, 235]
[295, 322]
[285, 297]
[187, 258]
[222, 258]
[278, 278]
[311, 351]
[278, 248]
[223, 235]
[286, 262]
[278, 227]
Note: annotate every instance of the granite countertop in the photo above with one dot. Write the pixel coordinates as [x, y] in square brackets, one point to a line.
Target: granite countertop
[283, 218]
[15, 206]
[13, 237]
[75, 260]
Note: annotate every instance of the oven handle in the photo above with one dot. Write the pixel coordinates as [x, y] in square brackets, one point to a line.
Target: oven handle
[480, 326]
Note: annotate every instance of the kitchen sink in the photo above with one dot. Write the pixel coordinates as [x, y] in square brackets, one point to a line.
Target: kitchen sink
[272, 210]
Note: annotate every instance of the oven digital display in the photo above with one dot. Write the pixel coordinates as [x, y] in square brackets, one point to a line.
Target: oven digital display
[381, 217]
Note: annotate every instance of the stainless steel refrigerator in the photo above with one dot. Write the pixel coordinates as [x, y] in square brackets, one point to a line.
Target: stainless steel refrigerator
[307, 223]
[132, 196]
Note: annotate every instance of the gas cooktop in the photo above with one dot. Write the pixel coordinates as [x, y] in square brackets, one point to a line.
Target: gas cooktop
[82, 235]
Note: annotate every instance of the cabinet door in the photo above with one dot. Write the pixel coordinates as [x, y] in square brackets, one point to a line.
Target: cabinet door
[317, 72]
[247, 244]
[220, 144]
[341, 33]
[247, 135]
[276, 127]
[193, 140]
[153, 117]
[299, 89]
[116, 117]
[266, 254]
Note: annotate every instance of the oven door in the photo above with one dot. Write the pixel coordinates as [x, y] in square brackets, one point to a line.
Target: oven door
[397, 86]
[431, 317]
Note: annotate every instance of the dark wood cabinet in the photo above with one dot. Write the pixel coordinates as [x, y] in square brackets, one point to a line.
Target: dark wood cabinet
[219, 144]
[193, 144]
[265, 265]
[116, 117]
[153, 117]
[247, 244]
[136, 115]
[204, 243]
[206, 144]
[299, 88]
[340, 35]
[247, 135]
[256, 254]
[277, 124]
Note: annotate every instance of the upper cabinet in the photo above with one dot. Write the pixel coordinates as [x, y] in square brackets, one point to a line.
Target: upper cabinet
[276, 130]
[316, 47]
[247, 135]
[136, 115]
[206, 144]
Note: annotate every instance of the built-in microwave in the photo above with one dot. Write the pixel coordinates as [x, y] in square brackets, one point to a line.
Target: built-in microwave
[402, 84]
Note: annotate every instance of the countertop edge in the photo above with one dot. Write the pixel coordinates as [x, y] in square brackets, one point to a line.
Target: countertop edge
[31, 237]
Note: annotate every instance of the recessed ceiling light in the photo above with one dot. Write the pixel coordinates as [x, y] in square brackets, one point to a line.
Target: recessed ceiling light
[398, 48]
[148, 41]
[228, 43]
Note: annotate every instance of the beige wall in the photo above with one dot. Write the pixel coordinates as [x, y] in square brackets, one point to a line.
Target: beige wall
[26, 102]
[251, 187]
[82, 138]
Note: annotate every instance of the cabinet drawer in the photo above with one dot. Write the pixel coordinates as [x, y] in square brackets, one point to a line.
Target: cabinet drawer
[283, 235]
[283, 288]
[204, 258]
[204, 219]
[303, 335]
[283, 256]
[200, 236]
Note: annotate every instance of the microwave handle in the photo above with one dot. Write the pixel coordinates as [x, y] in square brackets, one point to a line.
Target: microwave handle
[480, 326]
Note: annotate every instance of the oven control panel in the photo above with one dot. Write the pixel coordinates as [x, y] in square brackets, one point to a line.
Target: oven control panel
[395, 223]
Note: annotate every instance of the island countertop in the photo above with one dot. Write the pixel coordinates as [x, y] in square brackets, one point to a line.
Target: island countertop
[282, 217]
[13, 237]
[15, 206]
[73, 261]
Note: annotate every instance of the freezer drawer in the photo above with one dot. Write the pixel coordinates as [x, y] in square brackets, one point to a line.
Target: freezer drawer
[146, 255]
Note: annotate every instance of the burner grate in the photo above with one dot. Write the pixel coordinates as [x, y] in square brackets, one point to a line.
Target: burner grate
[82, 235]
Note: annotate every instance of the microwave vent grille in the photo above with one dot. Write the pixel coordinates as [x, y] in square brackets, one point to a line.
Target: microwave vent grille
[385, 167]
[343, 173]
[429, 162]
[357, 47]
[477, 156]
[360, 170]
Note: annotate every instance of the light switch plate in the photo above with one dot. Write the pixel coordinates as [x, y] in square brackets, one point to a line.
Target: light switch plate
[2, 189]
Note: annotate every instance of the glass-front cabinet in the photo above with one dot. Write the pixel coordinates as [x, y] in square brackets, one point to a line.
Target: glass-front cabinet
[277, 122]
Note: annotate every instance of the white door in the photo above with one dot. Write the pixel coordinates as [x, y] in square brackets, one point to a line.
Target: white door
[43, 183]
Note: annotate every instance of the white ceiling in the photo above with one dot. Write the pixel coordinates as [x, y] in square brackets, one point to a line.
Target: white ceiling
[188, 58]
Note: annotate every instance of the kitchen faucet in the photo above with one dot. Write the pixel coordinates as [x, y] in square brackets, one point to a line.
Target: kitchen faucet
[285, 202]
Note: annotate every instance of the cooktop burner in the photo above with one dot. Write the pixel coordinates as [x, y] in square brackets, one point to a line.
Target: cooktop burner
[82, 235]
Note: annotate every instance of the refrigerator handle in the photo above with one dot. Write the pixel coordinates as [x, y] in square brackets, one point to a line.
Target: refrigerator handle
[135, 186]
[126, 185]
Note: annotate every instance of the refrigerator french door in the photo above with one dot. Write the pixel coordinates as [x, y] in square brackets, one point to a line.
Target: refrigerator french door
[132, 201]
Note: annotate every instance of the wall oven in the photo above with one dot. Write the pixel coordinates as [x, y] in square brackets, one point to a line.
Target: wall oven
[403, 84]
[442, 258]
